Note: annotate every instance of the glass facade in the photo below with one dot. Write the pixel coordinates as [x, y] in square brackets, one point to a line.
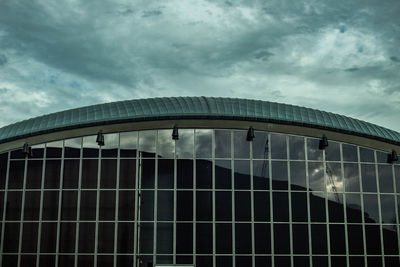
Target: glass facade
[210, 198]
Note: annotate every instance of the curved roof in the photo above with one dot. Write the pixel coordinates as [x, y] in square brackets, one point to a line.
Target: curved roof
[194, 108]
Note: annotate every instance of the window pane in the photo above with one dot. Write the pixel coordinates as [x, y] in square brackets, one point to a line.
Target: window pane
[50, 205]
[262, 235]
[332, 152]
[204, 238]
[184, 174]
[300, 238]
[90, 147]
[32, 205]
[317, 207]
[241, 145]
[299, 207]
[368, 178]
[279, 175]
[48, 238]
[203, 143]
[334, 177]
[351, 177]
[243, 238]
[148, 173]
[71, 174]
[223, 174]
[184, 238]
[68, 208]
[128, 144]
[260, 145]
[390, 243]
[223, 206]
[166, 145]
[3, 169]
[366, 155]
[373, 239]
[165, 205]
[222, 143]
[125, 237]
[89, 173]
[126, 206]
[147, 205]
[108, 173]
[88, 205]
[298, 175]
[127, 173]
[282, 244]
[203, 206]
[278, 146]
[203, 174]
[67, 237]
[72, 147]
[184, 146]
[86, 237]
[261, 174]
[313, 151]
[147, 143]
[165, 238]
[14, 202]
[54, 149]
[353, 208]
[242, 174]
[166, 173]
[110, 148]
[349, 153]
[34, 175]
[261, 206]
[371, 213]
[242, 206]
[296, 147]
[385, 178]
[318, 236]
[336, 232]
[335, 207]
[16, 175]
[316, 176]
[52, 174]
[107, 205]
[184, 209]
[281, 207]
[388, 209]
[106, 238]
[355, 237]
[29, 237]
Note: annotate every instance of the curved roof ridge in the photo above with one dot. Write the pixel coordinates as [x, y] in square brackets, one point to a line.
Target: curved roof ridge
[194, 108]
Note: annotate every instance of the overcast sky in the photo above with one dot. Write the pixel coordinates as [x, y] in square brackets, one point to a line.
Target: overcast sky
[340, 56]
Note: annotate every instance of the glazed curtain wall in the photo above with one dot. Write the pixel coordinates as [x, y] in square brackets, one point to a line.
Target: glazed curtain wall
[210, 198]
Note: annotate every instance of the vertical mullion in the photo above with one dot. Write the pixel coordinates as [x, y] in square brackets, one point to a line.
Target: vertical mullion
[59, 208]
[290, 200]
[21, 228]
[78, 213]
[253, 242]
[379, 208]
[271, 206]
[4, 207]
[41, 210]
[213, 201]
[346, 234]
[175, 206]
[362, 208]
[155, 219]
[194, 199]
[136, 233]
[326, 205]
[117, 202]
[96, 238]
[308, 203]
[233, 204]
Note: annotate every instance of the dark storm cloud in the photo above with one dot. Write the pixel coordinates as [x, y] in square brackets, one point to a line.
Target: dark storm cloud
[73, 53]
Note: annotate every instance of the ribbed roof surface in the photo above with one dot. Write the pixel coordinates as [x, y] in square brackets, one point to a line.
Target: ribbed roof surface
[194, 108]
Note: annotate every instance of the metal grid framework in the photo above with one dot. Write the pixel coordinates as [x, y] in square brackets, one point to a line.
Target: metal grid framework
[274, 201]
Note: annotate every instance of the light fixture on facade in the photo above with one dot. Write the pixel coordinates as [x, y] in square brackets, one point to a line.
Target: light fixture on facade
[175, 134]
[100, 138]
[323, 143]
[26, 150]
[392, 157]
[250, 134]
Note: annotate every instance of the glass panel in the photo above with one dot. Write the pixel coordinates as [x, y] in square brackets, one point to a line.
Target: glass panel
[108, 173]
[368, 178]
[381, 157]
[3, 169]
[165, 205]
[282, 244]
[125, 237]
[296, 147]
[72, 147]
[203, 206]
[241, 145]
[334, 177]
[388, 209]
[107, 205]
[260, 145]
[128, 144]
[243, 238]
[385, 178]
[32, 205]
[52, 174]
[353, 208]
[300, 238]
[11, 238]
[262, 236]
[260, 174]
[352, 181]
[313, 151]
[261, 206]
[68, 207]
[83, 260]
[203, 174]
[299, 207]
[148, 173]
[371, 213]
[355, 237]
[317, 207]
[223, 206]
[316, 176]
[349, 153]
[390, 243]
[127, 173]
[147, 143]
[279, 175]
[184, 206]
[222, 143]
[88, 205]
[89, 173]
[50, 205]
[106, 238]
[203, 140]
[204, 238]
[29, 237]
[86, 237]
[222, 261]
[166, 145]
[14, 201]
[126, 206]
[223, 174]
[332, 151]
[48, 238]
[34, 175]
[110, 148]
[366, 155]
[298, 175]
[281, 206]
[16, 175]
[242, 174]
[397, 178]
[373, 240]
[184, 238]
[184, 174]
[71, 174]
[54, 149]
[165, 238]
[28, 260]
[37, 151]
[67, 237]
[184, 146]
[147, 205]
[90, 147]
[242, 206]
[335, 207]
[166, 173]
[336, 233]
[318, 236]
[278, 146]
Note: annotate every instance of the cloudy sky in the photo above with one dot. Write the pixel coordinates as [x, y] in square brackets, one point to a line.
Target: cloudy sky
[340, 56]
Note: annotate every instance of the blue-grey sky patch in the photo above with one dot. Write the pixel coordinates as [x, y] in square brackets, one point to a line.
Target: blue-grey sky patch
[339, 56]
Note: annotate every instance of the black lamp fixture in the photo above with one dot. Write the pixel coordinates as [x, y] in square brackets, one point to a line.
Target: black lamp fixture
[392, 157]
[100, 138]
[175, 133]
[26, 150]
[250, 134]
[323, 143]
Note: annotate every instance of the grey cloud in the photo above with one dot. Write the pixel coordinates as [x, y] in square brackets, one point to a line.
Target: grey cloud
[395, 59]
[151, 13]
[3, 60]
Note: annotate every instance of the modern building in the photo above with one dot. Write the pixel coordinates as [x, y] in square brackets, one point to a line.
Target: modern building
[197, 181]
